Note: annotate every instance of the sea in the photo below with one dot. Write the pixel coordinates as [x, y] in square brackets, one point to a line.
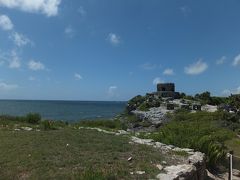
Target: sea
[63, 110]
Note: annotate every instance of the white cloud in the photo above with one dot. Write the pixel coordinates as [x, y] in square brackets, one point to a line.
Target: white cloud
[157, 80]
[168, 72]
[20, 40]
[36, 65]
[113, 39]
[196, 68]
[148, 66]
[236, 60]
[82, 11]
[69, 31]
[78, 76]
[228, 92]
[5, 23]
[221, 60]
[47, 7]
[112, 91]
[14, 60]
[237, 91]
[7, 87]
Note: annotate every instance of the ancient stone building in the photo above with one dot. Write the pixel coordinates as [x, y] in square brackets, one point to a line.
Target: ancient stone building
[165, 87]
[167, 90]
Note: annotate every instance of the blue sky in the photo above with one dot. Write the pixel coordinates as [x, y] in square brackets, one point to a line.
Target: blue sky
[116, 49]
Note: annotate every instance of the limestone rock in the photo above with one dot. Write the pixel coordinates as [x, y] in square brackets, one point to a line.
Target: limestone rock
[27, 128]
[140, 172]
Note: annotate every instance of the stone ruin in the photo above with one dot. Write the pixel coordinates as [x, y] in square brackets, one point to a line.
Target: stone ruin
[167, 90]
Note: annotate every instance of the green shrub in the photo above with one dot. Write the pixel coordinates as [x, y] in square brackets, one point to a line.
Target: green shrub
[143, 107]
[134, 103]
[111, 124]
[48, 125]
[200, 131]
[33, 118]
[5, 118]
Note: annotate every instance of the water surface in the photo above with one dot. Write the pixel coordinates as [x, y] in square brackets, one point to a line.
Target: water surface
[63, 110]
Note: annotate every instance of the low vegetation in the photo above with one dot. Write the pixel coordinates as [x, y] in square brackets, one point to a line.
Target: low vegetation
[202, 131]
[32, 120]
[106, 124]
[64, 150]
[56, 150]
[143, 103]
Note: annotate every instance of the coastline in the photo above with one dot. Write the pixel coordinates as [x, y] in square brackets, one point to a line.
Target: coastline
[63, 110]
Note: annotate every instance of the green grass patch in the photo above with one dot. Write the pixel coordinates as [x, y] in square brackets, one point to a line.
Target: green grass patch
[74, 154]
[106, 124]
[234, 145]
[143, 107]
[180, 153]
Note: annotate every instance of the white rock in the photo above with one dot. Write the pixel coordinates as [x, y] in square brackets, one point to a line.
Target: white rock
[179, 169]
[97, 129]
[26, 128]
[173, 172]
[236, 172]
[121, 132]
[196, 157]
[162, 176]
[187, 149]
[209, 108]
[140, 172]
[130, 159]
[159, 166]
[142, 141]
[164, 162]
[154, 115]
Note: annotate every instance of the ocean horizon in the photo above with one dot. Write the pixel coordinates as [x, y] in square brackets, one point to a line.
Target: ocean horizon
[65, 110]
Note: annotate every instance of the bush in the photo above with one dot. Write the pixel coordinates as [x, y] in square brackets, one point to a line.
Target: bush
[48, 125]
[33, 118]
[110, 124]
[200, 131]
[144, 107]
[134, 103]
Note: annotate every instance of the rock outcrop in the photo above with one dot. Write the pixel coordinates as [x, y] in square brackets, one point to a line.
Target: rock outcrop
[194, 167]
[155, 116]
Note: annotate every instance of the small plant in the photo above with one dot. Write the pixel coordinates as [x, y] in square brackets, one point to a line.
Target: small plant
[143, 107]
[48, 125]
[181, 153]
[33, 118]
[109, 124]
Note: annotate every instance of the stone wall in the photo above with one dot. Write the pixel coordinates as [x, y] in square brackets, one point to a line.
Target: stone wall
[166, 87]
[194, 167]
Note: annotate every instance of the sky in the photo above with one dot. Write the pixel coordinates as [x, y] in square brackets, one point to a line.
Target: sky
[116, 49]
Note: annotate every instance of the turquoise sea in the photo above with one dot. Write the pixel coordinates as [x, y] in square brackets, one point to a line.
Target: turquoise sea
[63, 110]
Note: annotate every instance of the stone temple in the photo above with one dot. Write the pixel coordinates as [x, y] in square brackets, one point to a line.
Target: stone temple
[167, 90]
